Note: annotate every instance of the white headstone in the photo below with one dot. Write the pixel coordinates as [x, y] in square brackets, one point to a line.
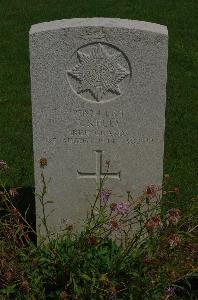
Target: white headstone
[98, 94]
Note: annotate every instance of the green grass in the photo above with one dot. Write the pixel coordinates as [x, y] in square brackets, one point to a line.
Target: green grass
[15, 102]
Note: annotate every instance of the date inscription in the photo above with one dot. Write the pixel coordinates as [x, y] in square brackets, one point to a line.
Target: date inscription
[102, 127]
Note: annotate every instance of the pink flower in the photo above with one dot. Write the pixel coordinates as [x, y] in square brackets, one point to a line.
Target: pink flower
[3, 165]
[92, 240]
[174, 240]
[114, 225]
[113, 206]
[104, 195]
[154, 223]
[151, 190]
[173, 216]
[122, 208]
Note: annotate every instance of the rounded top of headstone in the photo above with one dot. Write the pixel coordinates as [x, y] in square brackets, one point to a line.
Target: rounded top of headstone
[99, 22]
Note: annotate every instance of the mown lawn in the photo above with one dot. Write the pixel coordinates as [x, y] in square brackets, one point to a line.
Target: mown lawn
[15, 103]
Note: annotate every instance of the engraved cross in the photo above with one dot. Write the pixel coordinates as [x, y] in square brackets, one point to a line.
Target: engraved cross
[98, 175]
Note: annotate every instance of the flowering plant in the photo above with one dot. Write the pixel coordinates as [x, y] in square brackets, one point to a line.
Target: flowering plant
[136, 248]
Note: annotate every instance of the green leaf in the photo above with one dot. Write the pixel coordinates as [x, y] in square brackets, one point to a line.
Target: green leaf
[86, 277]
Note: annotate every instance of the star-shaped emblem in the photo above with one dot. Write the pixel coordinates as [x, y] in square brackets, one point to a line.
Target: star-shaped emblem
[98, 72]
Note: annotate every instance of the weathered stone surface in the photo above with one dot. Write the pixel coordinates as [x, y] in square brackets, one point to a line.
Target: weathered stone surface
[98, 94]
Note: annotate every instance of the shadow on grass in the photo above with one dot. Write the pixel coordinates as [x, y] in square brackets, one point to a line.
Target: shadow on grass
[24, 201]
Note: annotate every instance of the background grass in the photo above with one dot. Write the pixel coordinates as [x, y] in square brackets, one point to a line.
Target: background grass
[15, 102]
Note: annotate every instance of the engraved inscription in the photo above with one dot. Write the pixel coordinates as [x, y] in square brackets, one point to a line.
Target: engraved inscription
[99, 72]
[93, 34]
[101, 126]
[98, 175]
